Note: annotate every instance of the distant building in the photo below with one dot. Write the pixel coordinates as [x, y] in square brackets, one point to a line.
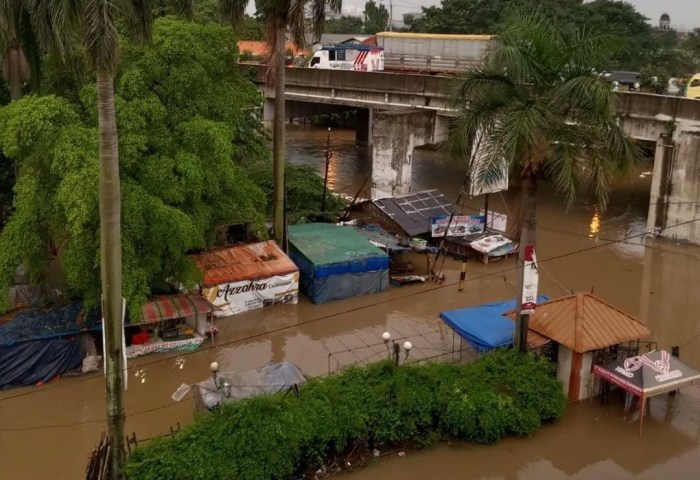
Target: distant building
[665, 22]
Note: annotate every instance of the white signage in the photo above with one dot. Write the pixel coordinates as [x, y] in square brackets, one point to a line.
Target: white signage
[238, 297]
[477, 173]
[530, 281]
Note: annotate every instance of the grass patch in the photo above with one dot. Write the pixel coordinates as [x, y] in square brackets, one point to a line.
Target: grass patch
[273, 437]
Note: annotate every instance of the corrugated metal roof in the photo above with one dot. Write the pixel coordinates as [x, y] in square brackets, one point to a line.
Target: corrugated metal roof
[584, 322]
[412, 211]
[243, 262]
[170, 307]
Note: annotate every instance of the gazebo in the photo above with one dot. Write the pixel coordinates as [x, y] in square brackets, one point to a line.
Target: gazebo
[581, 325]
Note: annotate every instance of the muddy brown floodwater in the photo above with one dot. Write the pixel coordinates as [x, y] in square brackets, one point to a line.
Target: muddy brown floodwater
[47, 432]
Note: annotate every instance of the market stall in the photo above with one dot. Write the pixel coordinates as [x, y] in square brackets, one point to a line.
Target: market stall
[169, 322]
[245, 277]
[336, 262]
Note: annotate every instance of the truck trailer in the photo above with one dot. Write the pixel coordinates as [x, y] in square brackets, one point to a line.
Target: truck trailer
[433, 53]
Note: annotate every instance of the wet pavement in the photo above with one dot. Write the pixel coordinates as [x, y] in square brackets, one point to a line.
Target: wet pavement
[47, 432]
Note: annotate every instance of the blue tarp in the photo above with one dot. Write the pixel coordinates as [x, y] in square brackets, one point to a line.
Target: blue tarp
[485, 327]
[336, 262]
[29, 363]
[38, 324]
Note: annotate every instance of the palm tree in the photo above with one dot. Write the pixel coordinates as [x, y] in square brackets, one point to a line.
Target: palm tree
[536, 107]
[21, 58]
[281, 16]
[95, 23]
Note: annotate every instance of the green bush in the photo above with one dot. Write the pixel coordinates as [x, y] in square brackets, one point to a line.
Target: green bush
[273, 437]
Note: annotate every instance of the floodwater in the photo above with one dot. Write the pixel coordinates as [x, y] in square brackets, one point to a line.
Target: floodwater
[47, 432]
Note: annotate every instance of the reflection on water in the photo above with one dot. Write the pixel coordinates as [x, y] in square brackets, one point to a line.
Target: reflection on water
[657, 283]
[595, 224]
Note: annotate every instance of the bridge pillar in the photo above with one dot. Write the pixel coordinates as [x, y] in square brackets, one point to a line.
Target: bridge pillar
[394, 136]
[363, 127]
[674, 207]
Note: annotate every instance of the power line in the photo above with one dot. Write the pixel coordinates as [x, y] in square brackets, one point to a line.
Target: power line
[498, 273]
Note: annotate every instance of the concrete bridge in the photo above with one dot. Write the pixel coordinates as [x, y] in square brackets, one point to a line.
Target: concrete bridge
[399, 112]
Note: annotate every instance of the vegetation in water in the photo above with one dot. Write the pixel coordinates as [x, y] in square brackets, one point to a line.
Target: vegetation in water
[273, 437]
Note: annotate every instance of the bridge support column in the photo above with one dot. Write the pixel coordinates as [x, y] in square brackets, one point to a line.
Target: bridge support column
[363, 127]
[675, 190]
[394, 136]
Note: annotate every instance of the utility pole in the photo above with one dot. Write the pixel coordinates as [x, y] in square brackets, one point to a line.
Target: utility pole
[391, 15]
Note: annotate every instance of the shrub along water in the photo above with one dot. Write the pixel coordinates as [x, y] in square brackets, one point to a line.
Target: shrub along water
[273, 437]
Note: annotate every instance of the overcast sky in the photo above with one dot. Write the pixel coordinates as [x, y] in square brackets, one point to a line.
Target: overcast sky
[685, 14]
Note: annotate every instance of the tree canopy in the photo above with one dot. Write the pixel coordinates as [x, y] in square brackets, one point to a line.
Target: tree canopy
[376, 17]
[344, 24]
[187, 125]
[640, 45]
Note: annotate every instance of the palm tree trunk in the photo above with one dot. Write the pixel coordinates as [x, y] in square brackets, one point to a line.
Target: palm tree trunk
[12, 69]
[528, 236]
[111, 262]
[278, 137]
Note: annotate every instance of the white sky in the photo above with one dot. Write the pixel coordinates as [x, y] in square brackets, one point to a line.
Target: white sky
[685, 14]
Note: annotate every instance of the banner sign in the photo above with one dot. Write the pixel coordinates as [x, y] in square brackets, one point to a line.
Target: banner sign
[480, 167]
[496, 221]
[461, 225]
[238, 297]
[530, 280]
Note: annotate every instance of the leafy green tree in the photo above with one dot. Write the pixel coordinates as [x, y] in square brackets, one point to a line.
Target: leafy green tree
[186, 120]
[188, 127]
[536, 107]
[344, 24]
[376, 18]
[282, 18]
[692, 44]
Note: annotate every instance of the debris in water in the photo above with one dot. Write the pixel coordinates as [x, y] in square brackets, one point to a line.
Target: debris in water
[402, 454]
[375, 452]
[180, 392]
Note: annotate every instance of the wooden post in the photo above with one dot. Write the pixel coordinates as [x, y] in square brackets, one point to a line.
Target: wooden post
[641, 414]
[462, 275]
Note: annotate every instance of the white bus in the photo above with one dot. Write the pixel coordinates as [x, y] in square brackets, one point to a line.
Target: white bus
[362, 58]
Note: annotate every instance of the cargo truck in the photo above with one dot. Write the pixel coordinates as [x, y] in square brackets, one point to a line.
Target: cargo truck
[433, 53]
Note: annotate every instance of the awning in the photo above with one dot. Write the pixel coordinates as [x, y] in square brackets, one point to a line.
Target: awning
[485, 327]
[648, 375]
[170, 307]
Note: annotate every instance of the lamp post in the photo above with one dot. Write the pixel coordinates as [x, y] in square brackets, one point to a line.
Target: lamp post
[221, 384]
[394, 348]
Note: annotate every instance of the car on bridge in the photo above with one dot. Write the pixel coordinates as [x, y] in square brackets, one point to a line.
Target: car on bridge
[693, 90]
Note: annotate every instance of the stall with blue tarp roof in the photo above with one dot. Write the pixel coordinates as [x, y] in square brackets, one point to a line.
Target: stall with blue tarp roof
[484, 327]
[336, 262]
[37, 345]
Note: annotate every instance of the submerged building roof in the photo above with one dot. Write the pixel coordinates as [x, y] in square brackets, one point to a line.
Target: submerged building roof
[584, 322]
[243, 262]
[412, 211]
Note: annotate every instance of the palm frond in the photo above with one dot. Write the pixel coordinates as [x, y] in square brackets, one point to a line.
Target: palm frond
[101, 36]
[481, 81]
[138, 15]
[9, 12]
[184, 8]
[584, 95]
[296, 21]
[232, 11]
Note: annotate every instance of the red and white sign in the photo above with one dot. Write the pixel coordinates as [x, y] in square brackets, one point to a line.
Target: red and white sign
[530, 281]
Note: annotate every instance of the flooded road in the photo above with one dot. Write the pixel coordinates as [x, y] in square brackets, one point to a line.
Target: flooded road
[47, 432]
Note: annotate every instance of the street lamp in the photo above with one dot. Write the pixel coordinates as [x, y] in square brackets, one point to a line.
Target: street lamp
[395, 348]
[220, 384]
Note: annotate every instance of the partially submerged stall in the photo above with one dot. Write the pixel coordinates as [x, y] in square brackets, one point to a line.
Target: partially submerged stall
[231, 387]
[38, 345]
[583, 326]
[245, 277]
[405, 215]
[169, 322]
[486, 327]
[648, 375]
[336, 262]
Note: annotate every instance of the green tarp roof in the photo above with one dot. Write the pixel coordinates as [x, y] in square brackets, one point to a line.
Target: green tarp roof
[324, 243]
